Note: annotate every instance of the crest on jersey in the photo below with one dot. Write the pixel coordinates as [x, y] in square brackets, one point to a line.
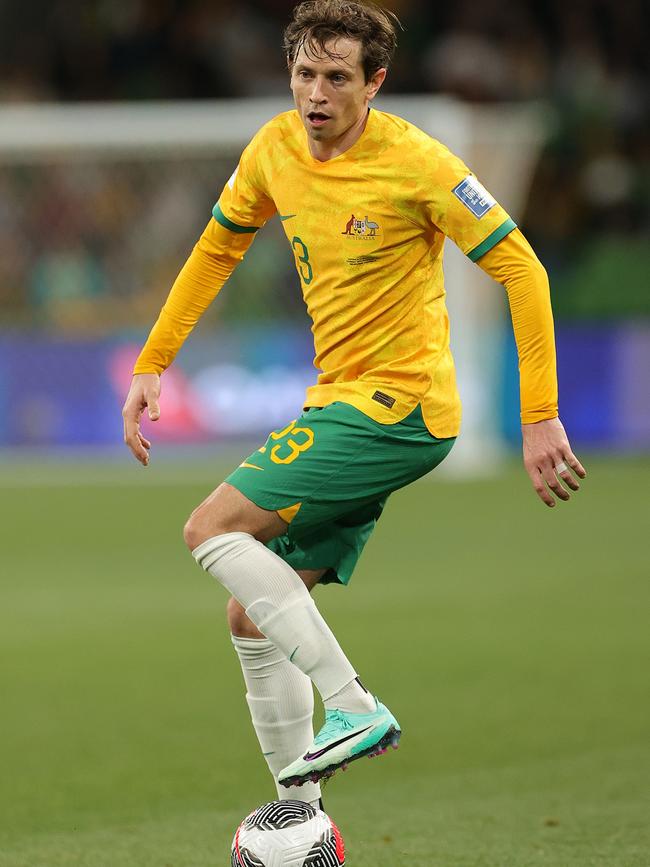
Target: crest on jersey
[361, 228]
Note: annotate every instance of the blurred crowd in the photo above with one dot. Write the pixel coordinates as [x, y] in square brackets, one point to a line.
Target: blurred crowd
[93, 247]
[587, 214]
[177, 49]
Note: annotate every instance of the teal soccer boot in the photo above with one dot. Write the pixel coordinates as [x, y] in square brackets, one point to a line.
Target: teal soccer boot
[344, 738]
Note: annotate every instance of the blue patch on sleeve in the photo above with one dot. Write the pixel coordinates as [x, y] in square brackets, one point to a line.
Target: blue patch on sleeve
[474, 196]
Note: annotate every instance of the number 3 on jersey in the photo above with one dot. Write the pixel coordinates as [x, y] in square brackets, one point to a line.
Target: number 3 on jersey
[302, 261]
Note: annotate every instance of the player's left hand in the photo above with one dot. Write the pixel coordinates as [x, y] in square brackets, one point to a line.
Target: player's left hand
[549, 460]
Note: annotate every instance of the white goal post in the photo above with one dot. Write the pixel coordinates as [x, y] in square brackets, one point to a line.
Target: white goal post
[500, 143]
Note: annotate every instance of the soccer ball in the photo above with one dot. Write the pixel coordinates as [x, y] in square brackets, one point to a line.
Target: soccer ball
[287, 834]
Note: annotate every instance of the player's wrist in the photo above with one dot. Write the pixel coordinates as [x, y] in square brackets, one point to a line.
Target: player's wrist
[137, 371]
[528, 419]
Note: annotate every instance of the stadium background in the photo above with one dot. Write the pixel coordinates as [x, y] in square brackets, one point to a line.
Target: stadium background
[540, 757]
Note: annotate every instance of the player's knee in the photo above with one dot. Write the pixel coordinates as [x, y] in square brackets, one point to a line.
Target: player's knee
[206, 521]
[224, 511]
[190, 534]
[238, 622]
[195, 531]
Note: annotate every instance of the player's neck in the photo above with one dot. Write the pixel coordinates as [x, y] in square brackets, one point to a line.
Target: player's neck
[327, 150]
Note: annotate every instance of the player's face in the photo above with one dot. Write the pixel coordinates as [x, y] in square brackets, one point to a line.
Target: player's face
[331, 93]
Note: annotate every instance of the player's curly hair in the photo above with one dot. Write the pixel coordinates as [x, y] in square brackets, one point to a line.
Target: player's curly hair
[317, 22]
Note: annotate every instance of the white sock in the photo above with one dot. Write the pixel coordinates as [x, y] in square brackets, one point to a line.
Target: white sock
[281, 702]
[278, 603]
[353, 698]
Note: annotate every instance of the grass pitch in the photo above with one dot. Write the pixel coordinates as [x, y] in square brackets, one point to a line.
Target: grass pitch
[510, 640]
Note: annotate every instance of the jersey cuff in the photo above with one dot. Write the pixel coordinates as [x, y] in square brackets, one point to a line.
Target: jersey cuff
[221, 218]
[492, 239]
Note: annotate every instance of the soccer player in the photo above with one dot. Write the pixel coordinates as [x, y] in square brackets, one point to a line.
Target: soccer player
[366, 200]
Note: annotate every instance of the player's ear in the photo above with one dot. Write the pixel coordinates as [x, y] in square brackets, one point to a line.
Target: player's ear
[376, 81]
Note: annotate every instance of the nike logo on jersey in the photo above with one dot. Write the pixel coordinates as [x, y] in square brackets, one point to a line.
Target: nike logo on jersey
[286, 216]
[309, 757]
[251, 466]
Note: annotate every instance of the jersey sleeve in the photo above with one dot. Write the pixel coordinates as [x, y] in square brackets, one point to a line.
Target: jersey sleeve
[462, 209]
[514, 264]
[245, 205]
[212, 261]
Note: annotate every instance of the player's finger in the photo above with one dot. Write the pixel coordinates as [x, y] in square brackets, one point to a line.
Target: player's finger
[154, 407]
[138, 451]
[540, 488]
[575, 465]
[144, 441]
[551, 479]
[131, 427]
[132, 435]
[567, 476]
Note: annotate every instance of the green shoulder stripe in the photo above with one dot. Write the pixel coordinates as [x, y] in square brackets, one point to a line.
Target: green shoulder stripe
[492, 239]
[220, 217]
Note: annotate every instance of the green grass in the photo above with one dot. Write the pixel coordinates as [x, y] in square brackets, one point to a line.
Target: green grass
[511, 641]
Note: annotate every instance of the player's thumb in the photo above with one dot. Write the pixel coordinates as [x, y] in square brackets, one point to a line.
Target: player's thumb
[154, 409]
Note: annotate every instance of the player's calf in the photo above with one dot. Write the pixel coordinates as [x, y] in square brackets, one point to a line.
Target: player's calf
[240, 625]
[277, 602]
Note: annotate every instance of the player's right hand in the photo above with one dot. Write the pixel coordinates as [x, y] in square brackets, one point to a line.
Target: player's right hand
[143, 394]
[549, 460]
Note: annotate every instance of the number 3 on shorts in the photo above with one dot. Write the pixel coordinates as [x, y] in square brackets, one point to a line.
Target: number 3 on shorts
[296, 447]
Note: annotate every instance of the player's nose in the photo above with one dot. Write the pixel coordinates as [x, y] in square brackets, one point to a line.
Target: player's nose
[317, 94]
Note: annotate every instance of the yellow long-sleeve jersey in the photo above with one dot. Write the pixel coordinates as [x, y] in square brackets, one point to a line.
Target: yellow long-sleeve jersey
[367, 230]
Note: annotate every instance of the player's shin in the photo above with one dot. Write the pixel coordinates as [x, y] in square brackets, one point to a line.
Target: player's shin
[281, 702]
[277, 602]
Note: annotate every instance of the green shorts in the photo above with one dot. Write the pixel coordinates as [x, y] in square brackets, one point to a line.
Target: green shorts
[329, 474]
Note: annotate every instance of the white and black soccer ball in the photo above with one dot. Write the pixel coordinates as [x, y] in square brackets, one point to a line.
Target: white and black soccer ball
[287, 834]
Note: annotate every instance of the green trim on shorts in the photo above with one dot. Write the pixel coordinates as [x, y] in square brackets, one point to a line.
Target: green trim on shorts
[341, 466]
